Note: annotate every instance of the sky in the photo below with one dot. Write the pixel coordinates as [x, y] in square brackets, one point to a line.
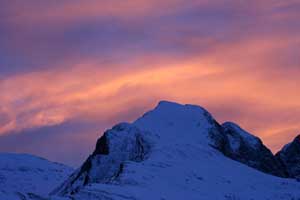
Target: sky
[70, 69]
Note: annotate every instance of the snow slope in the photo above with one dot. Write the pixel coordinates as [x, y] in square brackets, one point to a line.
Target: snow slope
[173, 152]
[21, 174]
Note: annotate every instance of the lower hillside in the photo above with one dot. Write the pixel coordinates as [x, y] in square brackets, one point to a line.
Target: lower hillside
[23, 176]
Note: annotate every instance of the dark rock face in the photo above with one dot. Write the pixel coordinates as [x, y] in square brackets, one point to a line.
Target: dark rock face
[102, 145]
[124, 142]
[289, 155]
[250, 150]
[217, 135]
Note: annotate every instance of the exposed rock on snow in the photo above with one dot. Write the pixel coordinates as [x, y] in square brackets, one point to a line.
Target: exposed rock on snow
[250, 150]
[290, 157]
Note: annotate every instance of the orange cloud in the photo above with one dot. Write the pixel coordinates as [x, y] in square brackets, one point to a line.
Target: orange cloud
[46, 98]
[88, 92]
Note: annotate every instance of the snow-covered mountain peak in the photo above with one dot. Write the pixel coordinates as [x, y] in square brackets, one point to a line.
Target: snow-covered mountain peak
[175, 152]
[176, 122]
[173, 107]
[169, 132]
[169, 105]
[289, 155]
[165, 103]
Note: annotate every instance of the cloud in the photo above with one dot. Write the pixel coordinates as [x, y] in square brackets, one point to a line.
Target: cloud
[87, 92]
[51, 97]
[105, 61]
[4, 118]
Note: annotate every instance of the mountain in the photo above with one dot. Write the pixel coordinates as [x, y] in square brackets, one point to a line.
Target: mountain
[250, 150]
[23, 176]
[178, 152]
[289, 155]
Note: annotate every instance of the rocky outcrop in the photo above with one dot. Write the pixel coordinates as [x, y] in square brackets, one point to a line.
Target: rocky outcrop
[124, 142]
[289, 156]
[248, 149]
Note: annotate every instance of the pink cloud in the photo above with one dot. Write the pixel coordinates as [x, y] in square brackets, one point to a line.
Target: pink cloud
[247, 74]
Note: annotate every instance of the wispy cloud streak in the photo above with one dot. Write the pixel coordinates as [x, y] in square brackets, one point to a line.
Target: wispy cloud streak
[95, 61]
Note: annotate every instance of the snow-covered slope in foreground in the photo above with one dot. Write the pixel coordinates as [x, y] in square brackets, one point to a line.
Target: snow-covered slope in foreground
[23, 175]
[173, 152]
